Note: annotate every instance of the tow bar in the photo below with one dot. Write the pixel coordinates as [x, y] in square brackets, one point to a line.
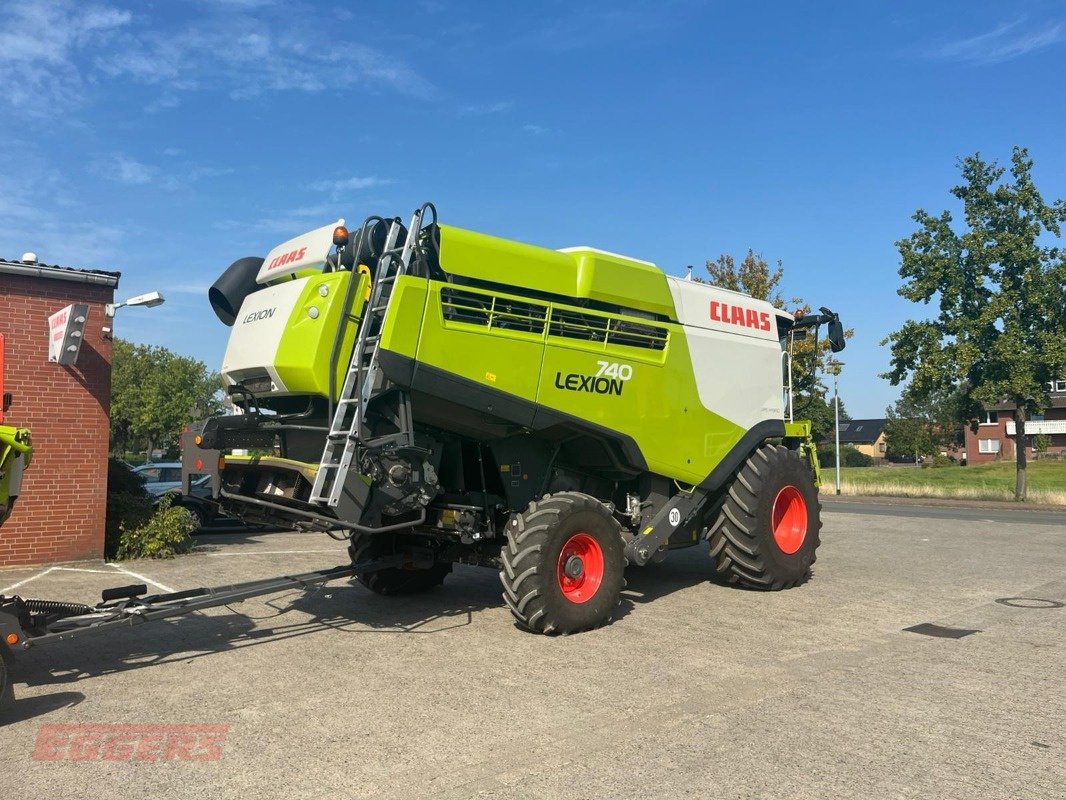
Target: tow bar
[26, 622]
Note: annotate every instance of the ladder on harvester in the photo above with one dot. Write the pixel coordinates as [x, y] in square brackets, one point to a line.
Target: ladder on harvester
[364, 380]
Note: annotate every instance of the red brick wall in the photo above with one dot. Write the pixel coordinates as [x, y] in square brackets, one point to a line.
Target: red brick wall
[60, 512]
[998, 431]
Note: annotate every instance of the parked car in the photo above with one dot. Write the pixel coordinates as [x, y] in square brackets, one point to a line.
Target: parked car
[160, 478]
[164, 480]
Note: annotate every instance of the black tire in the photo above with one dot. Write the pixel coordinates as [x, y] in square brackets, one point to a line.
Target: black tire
[774, 482]
[545, 588]
[7, 691]
[394, 580]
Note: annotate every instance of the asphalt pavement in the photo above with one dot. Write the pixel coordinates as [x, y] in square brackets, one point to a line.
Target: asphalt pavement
[924, 660]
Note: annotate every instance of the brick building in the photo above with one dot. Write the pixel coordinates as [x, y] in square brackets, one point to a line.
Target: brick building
[994, 438]
[60, 512]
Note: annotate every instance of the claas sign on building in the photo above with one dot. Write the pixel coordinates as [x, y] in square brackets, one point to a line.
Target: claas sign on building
[66, 330]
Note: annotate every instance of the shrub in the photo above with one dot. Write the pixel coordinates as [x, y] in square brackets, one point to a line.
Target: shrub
[941, 460]
[128, 504]
[849, 457]
[164, 535]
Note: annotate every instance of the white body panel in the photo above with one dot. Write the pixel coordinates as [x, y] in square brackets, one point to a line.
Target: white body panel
[735, 351]
[256, 334]
[306, 250]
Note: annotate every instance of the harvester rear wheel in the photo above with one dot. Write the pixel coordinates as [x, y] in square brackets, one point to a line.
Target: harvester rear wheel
[767, 531]
[394, 580]
[563, 564]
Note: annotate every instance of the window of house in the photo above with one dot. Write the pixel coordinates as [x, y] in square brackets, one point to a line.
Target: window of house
[989, 418]
[1060, 386]
[881, 447]
[988, 446]
[1036, 418]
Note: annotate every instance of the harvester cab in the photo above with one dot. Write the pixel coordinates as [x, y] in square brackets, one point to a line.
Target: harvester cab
[437, 395]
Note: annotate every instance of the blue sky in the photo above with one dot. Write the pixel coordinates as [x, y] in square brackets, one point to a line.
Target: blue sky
[168, 139]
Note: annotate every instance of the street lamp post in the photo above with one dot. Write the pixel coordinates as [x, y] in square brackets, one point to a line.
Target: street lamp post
[835, 367]
[150, 300]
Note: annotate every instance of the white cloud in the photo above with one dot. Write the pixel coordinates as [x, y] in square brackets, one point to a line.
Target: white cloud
[288, 223]
[536, 130]
[39, 42]
[56, 52]
[123, 169]
[491, 108]
[248, 54]
[353, 184]
[1008, 41]
[162, 103]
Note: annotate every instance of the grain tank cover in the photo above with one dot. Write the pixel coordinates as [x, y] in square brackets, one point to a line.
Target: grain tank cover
[577, 272]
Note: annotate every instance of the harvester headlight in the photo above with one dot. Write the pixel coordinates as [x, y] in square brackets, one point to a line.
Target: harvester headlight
[312, 312]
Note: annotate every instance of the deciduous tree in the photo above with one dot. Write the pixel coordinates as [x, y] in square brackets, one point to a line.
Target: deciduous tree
[998, 281]
[155, 393]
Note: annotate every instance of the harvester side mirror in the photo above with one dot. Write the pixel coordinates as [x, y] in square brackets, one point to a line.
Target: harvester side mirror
[836, 335]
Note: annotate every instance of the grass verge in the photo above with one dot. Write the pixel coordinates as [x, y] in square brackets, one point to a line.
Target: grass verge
[1046, 479]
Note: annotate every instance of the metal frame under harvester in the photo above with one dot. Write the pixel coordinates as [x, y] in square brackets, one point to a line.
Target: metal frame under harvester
[28, 622]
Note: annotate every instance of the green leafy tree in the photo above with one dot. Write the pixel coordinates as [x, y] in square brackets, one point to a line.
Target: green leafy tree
[925, 425]
[155, 393]
[999, 284]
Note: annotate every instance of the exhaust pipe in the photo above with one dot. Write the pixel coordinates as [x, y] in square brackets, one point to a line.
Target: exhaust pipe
[232, 286]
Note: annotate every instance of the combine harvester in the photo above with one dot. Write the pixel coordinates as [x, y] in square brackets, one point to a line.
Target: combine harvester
[437, 396]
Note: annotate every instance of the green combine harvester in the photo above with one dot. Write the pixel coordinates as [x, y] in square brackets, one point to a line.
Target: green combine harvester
[438, 396]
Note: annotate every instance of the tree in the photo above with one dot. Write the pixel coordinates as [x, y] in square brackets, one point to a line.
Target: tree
[924, 425]
[1000, 288]
[155, 393]
[755, 277]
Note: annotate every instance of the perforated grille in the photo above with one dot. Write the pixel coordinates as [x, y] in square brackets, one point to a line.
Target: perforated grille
[609, 330]
[492, 312]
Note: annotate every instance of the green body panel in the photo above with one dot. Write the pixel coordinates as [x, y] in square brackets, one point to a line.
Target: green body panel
[655, 402]
[403, 322]
[302, 360]
[801, 431]
[14, 442]
[581, 273]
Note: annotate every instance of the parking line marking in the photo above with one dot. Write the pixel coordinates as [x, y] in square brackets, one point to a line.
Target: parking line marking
[81, 569]
[133, 574]
[268, 553]
[27, 580]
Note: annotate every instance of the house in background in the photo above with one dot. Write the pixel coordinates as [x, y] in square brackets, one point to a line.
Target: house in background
[994, 438]
[865, 435]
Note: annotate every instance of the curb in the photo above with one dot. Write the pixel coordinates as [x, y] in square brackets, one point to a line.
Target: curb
[946, 502]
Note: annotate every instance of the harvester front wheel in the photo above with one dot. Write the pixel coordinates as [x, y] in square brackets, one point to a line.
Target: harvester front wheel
[394, 580]
[563, 564]
[767, 531]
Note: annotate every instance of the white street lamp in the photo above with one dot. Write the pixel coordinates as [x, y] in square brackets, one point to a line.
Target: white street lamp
[149, 300]
[834, 367]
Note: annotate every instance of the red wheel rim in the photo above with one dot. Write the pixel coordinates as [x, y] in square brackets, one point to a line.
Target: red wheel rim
[789, 519]
[580, 568]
